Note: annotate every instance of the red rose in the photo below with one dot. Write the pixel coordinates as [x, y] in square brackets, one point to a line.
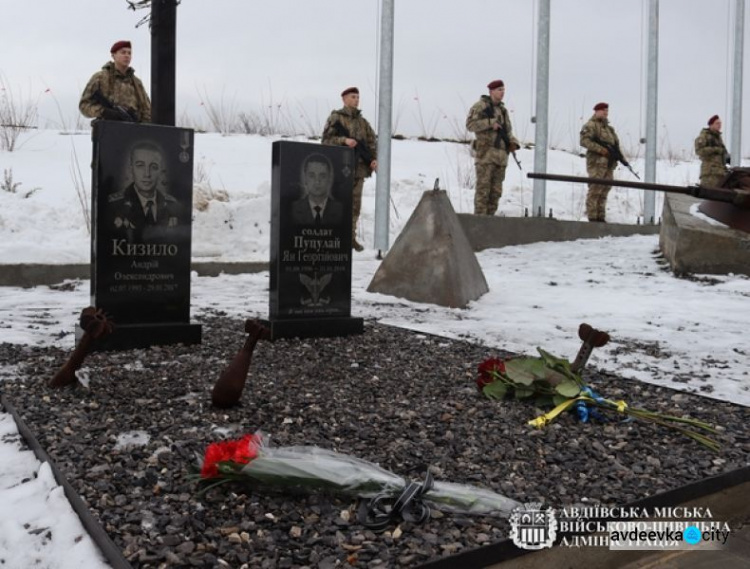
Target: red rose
[488, 371]
[240, 452]
[215, 453]
[247, 449]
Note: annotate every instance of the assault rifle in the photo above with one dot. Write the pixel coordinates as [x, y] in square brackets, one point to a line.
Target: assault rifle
[128, 115]
[361, 150]
[615, 155]
[501, 135]
[726, 156]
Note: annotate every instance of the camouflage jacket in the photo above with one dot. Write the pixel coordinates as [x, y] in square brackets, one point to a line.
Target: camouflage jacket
[482, 115]
[713, 154]
[124, 89]
[352, 122]
[593, 134]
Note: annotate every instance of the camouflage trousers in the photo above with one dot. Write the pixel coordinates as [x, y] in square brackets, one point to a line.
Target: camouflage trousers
[710, 181]
[489, 190]
[356, 204]
[596, 198]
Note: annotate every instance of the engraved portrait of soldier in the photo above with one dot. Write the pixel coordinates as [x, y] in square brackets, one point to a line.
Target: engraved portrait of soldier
[317, 205]
[145, 211]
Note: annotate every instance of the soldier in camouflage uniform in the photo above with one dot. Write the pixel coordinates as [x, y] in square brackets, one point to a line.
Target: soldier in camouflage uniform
[488, 119]
[596, 135]
[118, 84]
[713, 154]
[347, 127]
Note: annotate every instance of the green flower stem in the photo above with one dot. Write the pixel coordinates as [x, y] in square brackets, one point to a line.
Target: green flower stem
[668, 421]
[317, 469]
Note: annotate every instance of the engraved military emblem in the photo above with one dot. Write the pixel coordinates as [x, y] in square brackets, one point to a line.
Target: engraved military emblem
[315, 286]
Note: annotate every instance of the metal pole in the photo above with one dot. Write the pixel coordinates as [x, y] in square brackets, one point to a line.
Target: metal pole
[652, 91]
[385, 105]
[541, 117]
[163, 40]
[739, 34]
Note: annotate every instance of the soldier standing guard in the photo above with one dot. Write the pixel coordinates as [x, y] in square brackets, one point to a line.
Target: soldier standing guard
[596, 135]
[488, 119]
[347, 127]
[710, 148]
[114, 92]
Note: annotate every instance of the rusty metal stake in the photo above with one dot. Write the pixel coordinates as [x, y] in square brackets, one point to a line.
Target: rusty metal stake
[95, 325]
[592, 338]
[228, 389]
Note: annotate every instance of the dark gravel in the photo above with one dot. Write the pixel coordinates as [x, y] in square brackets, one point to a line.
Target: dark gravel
[402, 399]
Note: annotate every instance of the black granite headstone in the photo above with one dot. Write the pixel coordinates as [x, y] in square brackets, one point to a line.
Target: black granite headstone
[311, 241]
[142, 194]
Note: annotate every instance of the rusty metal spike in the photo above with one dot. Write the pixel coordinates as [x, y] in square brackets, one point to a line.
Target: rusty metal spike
[592, 338]
[95, 325]
[228, 389]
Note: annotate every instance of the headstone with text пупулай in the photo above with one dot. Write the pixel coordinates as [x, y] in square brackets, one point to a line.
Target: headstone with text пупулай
[311, 241]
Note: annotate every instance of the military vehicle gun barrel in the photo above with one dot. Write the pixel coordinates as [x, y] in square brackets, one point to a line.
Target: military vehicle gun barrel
[729, 204]
[737, 197]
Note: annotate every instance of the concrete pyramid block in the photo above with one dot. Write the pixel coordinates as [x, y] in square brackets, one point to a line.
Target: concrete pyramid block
[432, 260]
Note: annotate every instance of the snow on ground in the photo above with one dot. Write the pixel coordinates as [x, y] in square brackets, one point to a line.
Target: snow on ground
[684, 334]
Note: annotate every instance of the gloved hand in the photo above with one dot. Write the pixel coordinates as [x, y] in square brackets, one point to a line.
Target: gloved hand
[133, 113]
[604, 152]
[111, 115]
[513, 147]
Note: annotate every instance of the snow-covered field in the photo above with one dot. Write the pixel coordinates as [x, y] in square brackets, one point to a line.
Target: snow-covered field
[685, 334]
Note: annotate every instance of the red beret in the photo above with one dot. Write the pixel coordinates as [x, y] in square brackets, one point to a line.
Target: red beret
[713, 119]
[117, 46]
[349, 90]
[601, 106]
[496, 84]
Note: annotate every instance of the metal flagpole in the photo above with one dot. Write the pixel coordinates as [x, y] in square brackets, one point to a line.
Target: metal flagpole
[385, 105]
[541, 117]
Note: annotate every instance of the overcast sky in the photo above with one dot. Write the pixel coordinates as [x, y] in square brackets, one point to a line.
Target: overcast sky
[301, 54]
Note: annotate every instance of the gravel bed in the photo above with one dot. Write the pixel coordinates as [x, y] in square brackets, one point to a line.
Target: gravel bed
[405, 400]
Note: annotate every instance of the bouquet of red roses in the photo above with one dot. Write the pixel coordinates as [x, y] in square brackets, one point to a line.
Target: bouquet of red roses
[551, 381]
[250, 460]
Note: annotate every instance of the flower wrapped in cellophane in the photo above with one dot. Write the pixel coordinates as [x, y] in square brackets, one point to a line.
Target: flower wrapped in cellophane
[550, 380]
[252, 461]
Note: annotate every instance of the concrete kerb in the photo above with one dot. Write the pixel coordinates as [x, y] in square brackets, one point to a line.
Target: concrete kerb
[483, 232]
[492, 232]
[99, 536]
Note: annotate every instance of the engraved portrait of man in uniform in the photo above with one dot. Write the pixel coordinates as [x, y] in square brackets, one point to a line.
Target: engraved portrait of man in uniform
[144, 211]
[317, 206]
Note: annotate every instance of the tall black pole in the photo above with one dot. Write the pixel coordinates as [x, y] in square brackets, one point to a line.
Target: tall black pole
[163, 42]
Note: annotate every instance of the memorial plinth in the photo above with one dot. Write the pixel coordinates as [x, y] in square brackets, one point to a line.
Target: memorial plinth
[693, 243]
